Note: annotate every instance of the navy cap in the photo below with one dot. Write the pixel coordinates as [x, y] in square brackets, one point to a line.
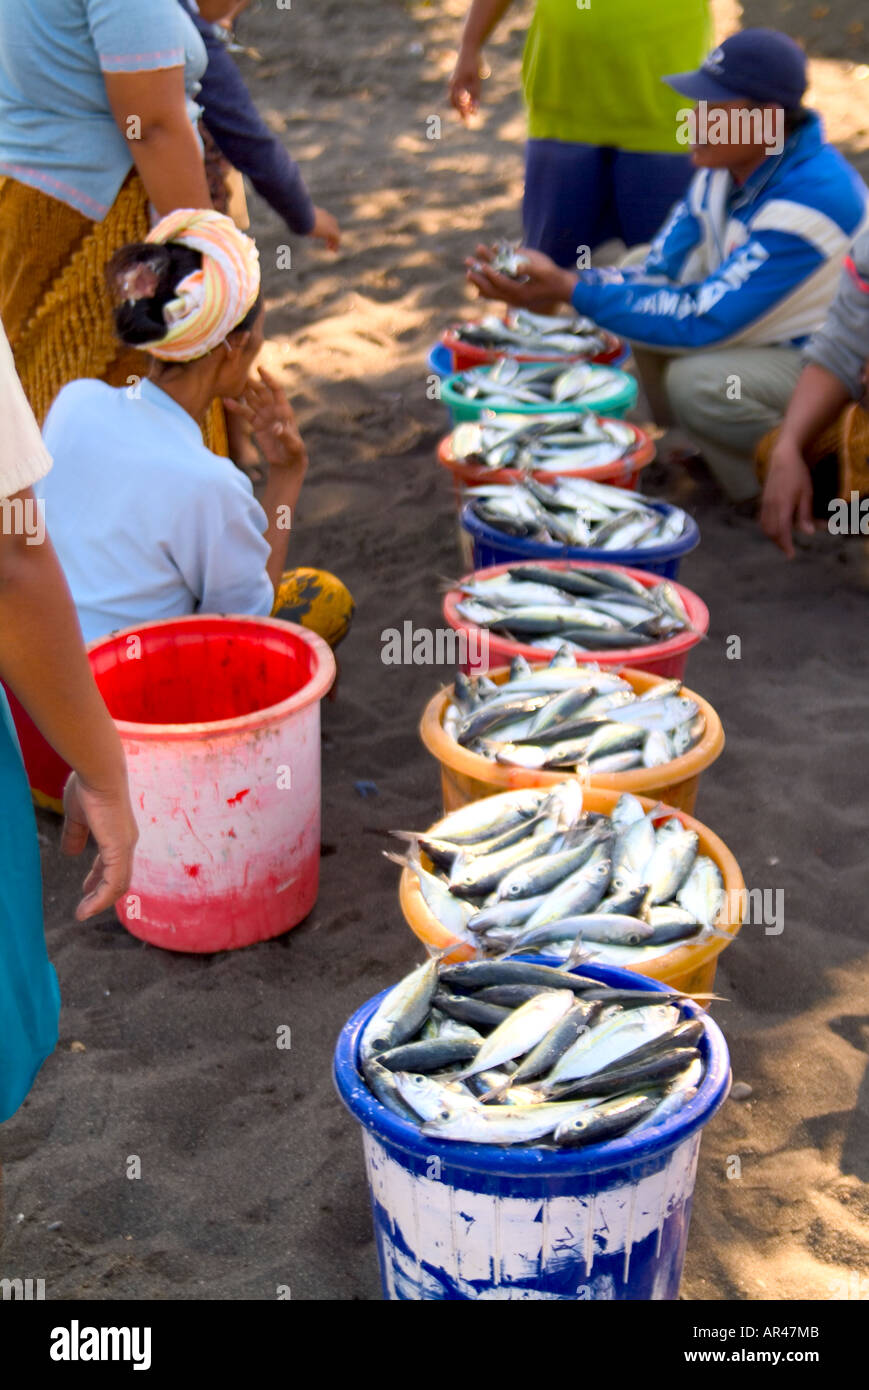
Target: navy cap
[761, 65]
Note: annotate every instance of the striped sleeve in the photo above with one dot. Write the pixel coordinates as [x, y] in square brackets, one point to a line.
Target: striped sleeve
[136, 35]
[24, 458]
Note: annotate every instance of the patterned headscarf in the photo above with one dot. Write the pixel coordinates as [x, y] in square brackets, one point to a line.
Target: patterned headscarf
[212, 301]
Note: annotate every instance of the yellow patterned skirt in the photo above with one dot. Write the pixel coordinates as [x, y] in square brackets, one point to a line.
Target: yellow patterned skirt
[54, 302]
[316, 599]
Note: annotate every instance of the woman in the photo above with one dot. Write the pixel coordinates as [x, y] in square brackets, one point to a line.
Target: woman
[43, 660]
[97, 121]
[148, 522]
[603, 157]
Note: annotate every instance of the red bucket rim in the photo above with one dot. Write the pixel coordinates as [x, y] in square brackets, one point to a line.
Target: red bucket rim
[316, 687]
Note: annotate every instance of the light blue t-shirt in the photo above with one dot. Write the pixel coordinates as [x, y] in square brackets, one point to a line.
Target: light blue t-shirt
[146, 521]
[57, 131]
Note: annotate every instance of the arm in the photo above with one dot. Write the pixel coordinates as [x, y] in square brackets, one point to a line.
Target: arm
[787, 493]
[150, 112]
[246, 141]
[264, 404]
[43, 660]
[483, 18]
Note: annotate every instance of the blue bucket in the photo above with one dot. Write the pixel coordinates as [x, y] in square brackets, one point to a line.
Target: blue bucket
[440, 361]
[457, 1221]
[492, 547]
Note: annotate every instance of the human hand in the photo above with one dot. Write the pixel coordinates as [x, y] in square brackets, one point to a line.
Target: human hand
[466, 82]
[265, 405]
[108, 816]
[544, 285]
[326, 229]
[787, 497]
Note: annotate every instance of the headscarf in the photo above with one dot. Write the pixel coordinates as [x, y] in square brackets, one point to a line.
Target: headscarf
[212, 301]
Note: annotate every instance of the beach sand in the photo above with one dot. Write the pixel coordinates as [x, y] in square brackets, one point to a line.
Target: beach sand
[251, 1172]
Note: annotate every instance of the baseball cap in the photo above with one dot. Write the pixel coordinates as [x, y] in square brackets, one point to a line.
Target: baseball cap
[763, 65]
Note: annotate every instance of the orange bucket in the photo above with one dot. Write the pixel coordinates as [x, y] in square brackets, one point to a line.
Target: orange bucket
[467, 776]
[690, 968]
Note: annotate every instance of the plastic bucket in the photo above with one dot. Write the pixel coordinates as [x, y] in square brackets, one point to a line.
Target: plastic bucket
[220, 722]
[466, 776]
[623, 398]
[493, 547]
[46, 770]
[464, 355]
[667, 658]
[440, 362]
[623, 472]
[687, 967]
[458, 1221]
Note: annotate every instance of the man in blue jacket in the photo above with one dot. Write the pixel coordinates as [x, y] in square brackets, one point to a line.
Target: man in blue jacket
[743, 271]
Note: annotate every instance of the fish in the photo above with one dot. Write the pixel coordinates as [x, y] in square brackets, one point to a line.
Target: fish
[607, 1120]
[540, 335]
[521, 1031]
[568, 1059]
[577, 513]
[589, 609]
[495, 1124]
[401, 1014]
[610, 1039]
[602, 885]
[540, 384]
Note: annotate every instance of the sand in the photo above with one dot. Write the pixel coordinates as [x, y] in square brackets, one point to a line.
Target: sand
[251, 1172]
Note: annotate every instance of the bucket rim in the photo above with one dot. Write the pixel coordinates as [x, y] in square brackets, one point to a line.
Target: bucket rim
[317, 686]
[613, 349]
[516, 1161]
[687, 540]
[624, 395]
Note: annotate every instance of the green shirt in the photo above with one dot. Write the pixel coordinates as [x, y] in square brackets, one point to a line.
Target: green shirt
[593, 74]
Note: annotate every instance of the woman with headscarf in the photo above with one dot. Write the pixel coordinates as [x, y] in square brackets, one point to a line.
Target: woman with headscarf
[147, 521]
[97, 134]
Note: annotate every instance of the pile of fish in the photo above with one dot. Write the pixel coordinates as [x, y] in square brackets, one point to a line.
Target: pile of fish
[571, 717]
[509, 1052]
[525, 334]
[573, 609]
[541, 384]
[546, 442]
[576, 512]
[531, 870]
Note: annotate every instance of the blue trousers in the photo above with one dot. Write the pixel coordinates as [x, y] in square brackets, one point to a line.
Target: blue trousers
[583, 195]
[29, 994]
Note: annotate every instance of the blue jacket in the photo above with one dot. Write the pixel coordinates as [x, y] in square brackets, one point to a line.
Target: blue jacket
[756, 264]
[243, 137]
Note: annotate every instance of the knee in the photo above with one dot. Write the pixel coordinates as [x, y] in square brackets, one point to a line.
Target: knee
[696, 389]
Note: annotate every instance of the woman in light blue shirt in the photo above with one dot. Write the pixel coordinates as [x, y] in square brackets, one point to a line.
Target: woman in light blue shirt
[148, 523]
[97, 127]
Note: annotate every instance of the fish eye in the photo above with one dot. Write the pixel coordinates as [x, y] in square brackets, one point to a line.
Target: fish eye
[443, 1114]
[381, 1044]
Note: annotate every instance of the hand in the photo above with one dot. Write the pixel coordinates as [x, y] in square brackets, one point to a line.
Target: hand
[545, 286]
[465, 83]
[264, 404]
[326, 229]
[108, 816]
[787, 497]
